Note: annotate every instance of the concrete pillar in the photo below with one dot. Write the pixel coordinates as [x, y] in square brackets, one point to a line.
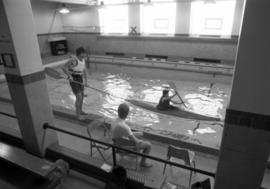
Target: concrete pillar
[238, 14]
[134, 17]
[183, 10]
[246, 137]
[24, 73]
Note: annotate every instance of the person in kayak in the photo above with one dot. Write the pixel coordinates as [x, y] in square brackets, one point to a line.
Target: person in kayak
[164, 101]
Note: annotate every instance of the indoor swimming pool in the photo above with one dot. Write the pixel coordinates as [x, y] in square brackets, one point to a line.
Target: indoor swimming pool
[202, 96]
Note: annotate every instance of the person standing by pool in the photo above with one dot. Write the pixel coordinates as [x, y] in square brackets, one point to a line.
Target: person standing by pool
[77, 75]
[165, 99]
[120, 129]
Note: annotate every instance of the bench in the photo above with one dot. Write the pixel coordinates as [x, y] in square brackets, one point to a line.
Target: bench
[35, 169]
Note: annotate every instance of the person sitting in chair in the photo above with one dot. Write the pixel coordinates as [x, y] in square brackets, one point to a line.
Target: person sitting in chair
[120, 129]
[165, 99]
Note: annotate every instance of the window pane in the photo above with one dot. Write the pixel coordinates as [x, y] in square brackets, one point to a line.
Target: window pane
[212, 18]
[158, 18]
[114, 19]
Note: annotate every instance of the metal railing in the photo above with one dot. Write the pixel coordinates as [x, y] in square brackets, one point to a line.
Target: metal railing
[114, 148]
[8, 115]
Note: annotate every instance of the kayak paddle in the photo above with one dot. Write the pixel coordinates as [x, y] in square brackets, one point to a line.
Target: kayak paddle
[173, 86]
[57, 75]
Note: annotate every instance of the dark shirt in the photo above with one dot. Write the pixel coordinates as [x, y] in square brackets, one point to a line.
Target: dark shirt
[164, 103]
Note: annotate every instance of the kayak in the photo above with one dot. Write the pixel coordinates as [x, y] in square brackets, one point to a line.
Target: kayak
[176, 112]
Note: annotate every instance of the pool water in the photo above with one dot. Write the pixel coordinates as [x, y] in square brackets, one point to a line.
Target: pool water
[200, 97]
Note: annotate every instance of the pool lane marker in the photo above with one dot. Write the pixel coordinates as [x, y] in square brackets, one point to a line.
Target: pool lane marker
[197, 127]
[211, 86]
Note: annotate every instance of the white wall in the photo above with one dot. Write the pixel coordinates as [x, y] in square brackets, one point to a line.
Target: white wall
[180, 47]
[82, 19]
[47, 19]
[238, 17]
[182, 17]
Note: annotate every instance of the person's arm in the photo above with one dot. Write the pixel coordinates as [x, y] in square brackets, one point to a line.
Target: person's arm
[134, 139]
[172, 96]
[85, 76]
[168, 98]
[175, 102]
[66, 68]
[131, 136]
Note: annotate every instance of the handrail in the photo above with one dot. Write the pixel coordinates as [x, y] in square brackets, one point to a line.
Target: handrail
[48, 126]
[9, 115]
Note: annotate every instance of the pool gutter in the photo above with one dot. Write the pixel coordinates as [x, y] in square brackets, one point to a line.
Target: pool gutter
[188, 66]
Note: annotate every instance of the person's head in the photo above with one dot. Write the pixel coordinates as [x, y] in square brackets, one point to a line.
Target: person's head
[81, 53]
[123, 111]
[165, 92]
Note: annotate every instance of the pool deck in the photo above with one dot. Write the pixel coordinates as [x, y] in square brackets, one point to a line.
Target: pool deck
[203, 161]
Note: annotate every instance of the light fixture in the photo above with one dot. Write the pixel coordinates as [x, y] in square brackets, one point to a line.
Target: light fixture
[64, 9]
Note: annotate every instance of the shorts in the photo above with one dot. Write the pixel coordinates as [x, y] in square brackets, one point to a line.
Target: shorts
[77, 87]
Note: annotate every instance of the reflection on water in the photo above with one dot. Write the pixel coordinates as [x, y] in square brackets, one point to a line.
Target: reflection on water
[202, 104]
[200, 98]
[150, 91]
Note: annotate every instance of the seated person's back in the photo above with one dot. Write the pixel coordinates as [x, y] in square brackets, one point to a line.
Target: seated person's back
[120, 129]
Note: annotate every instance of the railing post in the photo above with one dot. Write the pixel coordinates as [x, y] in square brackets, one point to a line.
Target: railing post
[114, 156]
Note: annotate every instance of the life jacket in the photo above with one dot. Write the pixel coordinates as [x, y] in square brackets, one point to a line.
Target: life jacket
[79, 67]
[164, 103]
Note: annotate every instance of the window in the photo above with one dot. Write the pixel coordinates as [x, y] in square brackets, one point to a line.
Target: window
[158, 18]
[114, 19]
[215, 18]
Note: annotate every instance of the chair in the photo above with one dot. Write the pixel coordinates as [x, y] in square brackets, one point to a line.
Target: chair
[99, 147]
[127, 144]
[183, 154]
